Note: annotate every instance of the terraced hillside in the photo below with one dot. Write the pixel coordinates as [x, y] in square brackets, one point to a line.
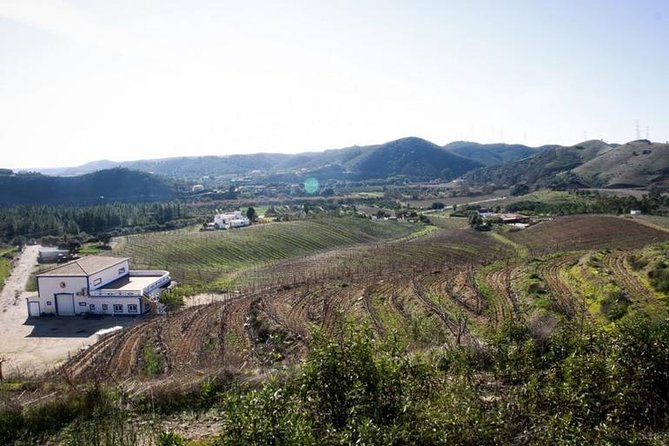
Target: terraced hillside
[586, 232]
[448, 287]
[192, 255]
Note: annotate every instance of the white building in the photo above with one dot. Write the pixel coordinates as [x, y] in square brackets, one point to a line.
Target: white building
[96, 285]
[231, 220]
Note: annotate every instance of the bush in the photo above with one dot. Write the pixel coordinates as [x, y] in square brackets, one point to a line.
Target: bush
[519, 189]
[659, 277]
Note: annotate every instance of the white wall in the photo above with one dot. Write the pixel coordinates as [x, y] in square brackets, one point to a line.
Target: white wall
[49, 286]
[99, 302]
[108, 275]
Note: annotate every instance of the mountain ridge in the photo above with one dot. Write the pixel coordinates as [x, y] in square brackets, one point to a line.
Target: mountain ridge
[104, 186]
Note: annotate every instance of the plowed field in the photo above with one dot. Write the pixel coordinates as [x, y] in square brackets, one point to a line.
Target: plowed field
[587, 232]
[423, 288]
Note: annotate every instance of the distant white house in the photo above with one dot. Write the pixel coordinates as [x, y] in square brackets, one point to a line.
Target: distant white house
[635, 212]
[229, 220]
[197, 188]
[97, 285]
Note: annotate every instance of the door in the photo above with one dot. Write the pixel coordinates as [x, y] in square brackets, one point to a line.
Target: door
[33, 309]
[65, 304]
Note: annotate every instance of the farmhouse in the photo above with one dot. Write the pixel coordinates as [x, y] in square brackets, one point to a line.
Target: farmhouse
[514, 218]
[97, 285]
[231, 220]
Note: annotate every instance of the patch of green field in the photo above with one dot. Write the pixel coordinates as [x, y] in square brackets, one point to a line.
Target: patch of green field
[594, 283]
[550, 200]
[443, 221]
[195, 256]
[521, 250]
[365, 195]
[5, 264]
[91, 249]
[421, 231]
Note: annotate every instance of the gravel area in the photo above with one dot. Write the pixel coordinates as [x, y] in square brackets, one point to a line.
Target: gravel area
[34, 346]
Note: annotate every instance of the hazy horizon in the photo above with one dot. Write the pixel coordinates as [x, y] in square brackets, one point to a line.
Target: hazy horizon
[83, 81]
[45, 168]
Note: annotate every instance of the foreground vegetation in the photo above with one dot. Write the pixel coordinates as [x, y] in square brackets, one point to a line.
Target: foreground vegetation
[580, 385]
[6, 256]
[343, 330]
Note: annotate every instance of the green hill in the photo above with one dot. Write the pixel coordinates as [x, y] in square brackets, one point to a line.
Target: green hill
[491, 154]
[119, 184]
[553, 166]
[635, 164]
[411, 157]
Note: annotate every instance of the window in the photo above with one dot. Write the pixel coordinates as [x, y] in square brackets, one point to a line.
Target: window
[91, 307]
[48, 302]
[132, 308]
[82, 304]
[121, 271]
[97, 281]
[118, 308]
[105, 307]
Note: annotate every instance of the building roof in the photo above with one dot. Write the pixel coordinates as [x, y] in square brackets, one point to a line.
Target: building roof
[84, 266]
[50, 249]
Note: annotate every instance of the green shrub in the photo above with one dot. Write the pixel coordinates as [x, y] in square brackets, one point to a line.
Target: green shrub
[659, 277]
[170, 439]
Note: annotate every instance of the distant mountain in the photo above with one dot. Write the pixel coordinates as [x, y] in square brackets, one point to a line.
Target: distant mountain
[588, 164]
[413, 157]
[491, 154]
[112, 185]
[91, 167]
[635, 164]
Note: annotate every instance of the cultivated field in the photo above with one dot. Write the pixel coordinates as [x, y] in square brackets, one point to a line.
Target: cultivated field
[192, 255]
[586, 232]
[448, 286]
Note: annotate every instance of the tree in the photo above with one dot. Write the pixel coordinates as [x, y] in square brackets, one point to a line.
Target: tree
[328, 192]
[519, 189]
[73, 246]
[475, 219]
[20, 242]
[105, 238]
[251, 214]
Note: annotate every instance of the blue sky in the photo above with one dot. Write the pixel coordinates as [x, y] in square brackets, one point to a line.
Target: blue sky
[124, 80]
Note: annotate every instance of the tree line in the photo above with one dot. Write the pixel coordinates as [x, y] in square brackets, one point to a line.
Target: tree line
[31, 222]
[592, 202]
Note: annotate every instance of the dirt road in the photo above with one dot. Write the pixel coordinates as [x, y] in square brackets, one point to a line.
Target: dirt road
[32, 346]
[16, 282]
